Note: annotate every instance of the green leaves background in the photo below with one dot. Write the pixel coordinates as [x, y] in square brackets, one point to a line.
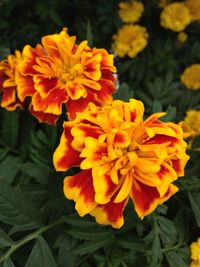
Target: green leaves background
[38, 226]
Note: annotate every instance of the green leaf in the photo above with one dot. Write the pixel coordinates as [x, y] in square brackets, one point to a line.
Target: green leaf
[89, 247]
[171, 114]
[10, 128]
[16, 210]
[41, 255]
[5, 241]
[7, 173]
[157, 106]
[89, 35]
[89, 234]
[175, 259]
[8, 263]
[123, 92]
[194, 198]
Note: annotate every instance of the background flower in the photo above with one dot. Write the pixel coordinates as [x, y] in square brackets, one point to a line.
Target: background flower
[130, 40]
[120, 156]
[195, 253]
[194, 9]
[130, 12]
[8, 86]
[175, 17]
[191, 77]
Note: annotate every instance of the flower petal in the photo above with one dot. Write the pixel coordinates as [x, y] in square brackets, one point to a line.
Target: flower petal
[65, 156]
[79, 188]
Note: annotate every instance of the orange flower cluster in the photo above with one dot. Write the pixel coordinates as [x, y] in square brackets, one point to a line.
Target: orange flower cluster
[120, 156]
[57, 72]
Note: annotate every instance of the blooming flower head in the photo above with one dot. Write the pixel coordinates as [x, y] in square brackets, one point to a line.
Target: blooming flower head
[130, 40]
[130, 12]
[66, 73]
[121, 156]
[195, 253]
[182, 37]
[194, 9]
[191, 77]
[8, 86]
[175, 17]
[192, 122]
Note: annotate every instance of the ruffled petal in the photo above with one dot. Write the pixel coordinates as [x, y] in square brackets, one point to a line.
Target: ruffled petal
[110, 213]
[146, 198]
[44, 117]
[79, 188]
[65, 156]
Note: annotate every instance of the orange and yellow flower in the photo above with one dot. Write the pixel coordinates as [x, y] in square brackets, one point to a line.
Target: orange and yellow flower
[8, 86]
[131, 12]
[65, 73]
[175, 17]
[120, 156]
[130, 40]
[195, 253]
[191, 77]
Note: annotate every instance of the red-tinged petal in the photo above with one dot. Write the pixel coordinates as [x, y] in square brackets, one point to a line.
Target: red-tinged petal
[51, 104]
[146, 198]
[161, 139]
[103, 186]
[80, 132]
[107, 59]
[8, 97]
[43, 85]
[92, 68]
[25, 86]
[89, 83]
[29, 56]
[80, 189]
[110, 213]
[44, 117]
[74, 106]
[104, 96]
[65, 156]
[75, 90]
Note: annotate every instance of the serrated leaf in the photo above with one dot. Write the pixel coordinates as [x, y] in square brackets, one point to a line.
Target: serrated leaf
[89, 247]
[5, 241]
[175, 259]
[81, 222]
[157, 106]
[123, 92]
[9, 173]
[41, 255]
[87, 234]
[17, 210]
[10, 128]
[194, 198]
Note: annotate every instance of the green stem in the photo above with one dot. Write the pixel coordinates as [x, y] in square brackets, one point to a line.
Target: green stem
[10, 148]
[172, 248]
[28, 238]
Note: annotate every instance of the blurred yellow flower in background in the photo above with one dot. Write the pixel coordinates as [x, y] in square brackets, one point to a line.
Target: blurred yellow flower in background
[195, 253]
[130, 40]
[175, 17]
[194, 9]
[191, 77]
[163, 3]
[130, 12]
[192, 122]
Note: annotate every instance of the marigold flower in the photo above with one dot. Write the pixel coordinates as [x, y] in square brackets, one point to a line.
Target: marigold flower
[65, 73]
[121, 156]
[130, 12]
[195, 253]
[175, 17]
[194, 9]
[182, 37]
[192, 122]
[130, 40]
[8, 86]
[191, 77]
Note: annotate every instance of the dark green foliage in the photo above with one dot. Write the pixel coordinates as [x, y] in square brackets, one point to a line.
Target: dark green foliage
[39, 227]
